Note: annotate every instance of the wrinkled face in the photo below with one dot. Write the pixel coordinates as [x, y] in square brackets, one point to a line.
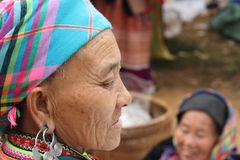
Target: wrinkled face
[88, 96]
[195, 136]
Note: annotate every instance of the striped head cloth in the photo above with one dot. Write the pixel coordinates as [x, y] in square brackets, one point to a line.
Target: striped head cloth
[36, 37]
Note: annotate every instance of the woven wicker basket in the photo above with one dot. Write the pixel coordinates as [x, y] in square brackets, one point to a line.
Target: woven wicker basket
[137, 141]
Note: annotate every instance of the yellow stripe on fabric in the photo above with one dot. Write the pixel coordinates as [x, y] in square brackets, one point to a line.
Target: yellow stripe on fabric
[6, 99]
[19, 40]
[37, 37]
[14, 148]
[47, 28]
[15, 51]
[13, 62]
[3, 100]
[3, 109]
[29, 10]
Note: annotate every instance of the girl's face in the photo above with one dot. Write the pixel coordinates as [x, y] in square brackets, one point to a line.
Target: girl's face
[195, 136]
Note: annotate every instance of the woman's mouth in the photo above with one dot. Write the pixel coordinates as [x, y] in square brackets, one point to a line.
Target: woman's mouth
[189, 155]
[117, 124]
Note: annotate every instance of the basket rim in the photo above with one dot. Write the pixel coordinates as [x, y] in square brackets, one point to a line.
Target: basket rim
[154, 121]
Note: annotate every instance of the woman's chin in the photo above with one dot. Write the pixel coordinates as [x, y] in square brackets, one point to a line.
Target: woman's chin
[110, 144]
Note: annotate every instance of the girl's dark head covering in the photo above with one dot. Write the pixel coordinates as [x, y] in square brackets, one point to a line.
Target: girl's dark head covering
[208, 101]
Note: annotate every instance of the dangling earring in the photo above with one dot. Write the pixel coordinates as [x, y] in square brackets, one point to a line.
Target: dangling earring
[55, 148]
[35, 150]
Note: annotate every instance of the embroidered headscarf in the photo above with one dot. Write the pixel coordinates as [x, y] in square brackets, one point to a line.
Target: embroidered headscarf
[226, 144]
[36, 37]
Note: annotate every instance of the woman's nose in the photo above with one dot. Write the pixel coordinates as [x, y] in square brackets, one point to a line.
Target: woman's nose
[124, 97]
[189, 141]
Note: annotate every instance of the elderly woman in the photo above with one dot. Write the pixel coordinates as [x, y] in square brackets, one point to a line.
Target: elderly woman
[60, 90]
[206, 130]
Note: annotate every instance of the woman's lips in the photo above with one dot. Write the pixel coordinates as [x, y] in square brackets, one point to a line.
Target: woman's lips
[189, 155]
[117, 124]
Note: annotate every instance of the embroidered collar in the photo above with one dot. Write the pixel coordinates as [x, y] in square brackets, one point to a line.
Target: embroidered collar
[20, 146]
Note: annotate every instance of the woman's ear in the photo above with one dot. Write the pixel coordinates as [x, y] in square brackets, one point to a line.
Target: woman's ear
[40, 109]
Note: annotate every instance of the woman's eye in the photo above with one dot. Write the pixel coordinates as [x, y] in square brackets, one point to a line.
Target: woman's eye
[200, 135]
[108, 83]
[184, 130]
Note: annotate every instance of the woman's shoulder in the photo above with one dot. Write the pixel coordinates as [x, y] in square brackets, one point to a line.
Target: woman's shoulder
[158, 150]
[235, 156]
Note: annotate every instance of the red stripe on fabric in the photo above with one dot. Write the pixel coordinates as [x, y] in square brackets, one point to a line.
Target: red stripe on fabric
[44, 42]
[36, 73]
[8, 79]
[46, 28]
[9, 6]
[4, 93]
[90, 20]
[29, 46]
[19, 89]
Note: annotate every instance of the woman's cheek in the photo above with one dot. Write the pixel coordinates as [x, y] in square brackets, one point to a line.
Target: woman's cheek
[178, 136]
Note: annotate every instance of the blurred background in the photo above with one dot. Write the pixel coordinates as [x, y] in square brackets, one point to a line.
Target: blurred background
[170, 48]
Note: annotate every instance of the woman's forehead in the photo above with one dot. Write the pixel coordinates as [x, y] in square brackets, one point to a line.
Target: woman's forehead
[197, 119]
[97, 58]
[105, 42]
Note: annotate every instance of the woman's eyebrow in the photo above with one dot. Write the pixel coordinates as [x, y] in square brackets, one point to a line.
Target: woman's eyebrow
[184, 126]
[201, 130]
[110, 67]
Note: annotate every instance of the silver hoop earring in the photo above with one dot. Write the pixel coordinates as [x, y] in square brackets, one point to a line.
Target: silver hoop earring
[55, 148]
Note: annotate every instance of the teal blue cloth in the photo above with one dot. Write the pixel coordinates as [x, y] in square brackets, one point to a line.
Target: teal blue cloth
[227, 22]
